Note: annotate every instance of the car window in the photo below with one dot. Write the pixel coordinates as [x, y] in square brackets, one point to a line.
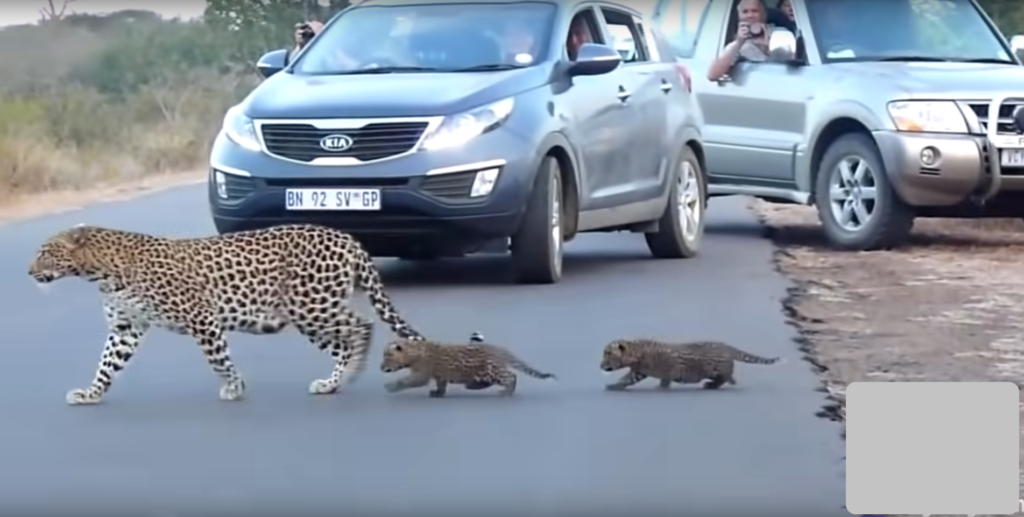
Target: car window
[583, 28]
[626, 38]
[902, 30]
[680, 22]
[445, 37]
[648, 41]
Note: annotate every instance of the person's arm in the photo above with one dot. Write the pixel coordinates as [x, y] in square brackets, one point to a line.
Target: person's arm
[726, 60]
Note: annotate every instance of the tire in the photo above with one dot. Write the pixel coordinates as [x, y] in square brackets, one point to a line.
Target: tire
[537, 245]
[678, 236]
[888, 221]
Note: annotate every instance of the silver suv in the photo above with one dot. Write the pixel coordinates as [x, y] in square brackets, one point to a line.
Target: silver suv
[874, 111]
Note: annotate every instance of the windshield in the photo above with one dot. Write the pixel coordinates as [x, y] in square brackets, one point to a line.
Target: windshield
[903, 30]
[431, 37]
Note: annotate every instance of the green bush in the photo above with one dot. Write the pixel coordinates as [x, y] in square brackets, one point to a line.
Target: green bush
[98, 99]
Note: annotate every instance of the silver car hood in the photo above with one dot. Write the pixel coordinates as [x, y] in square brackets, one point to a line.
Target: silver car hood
[962, 81]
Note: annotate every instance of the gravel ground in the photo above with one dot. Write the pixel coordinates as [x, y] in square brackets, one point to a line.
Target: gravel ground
[948, 307]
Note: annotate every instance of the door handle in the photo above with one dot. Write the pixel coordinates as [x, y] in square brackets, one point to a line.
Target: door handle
[666, 86]
[623, 95]
[724, 80]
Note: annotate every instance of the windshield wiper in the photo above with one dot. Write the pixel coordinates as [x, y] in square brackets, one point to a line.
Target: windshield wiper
[493, 67]
[387, 70]
[913, 58]
[992, 60]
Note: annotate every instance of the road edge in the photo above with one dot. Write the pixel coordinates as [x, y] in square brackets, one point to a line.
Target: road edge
[796, 291]
[58, 202]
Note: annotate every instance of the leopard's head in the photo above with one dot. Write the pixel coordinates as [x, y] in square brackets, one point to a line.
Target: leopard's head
[402, 354]
[618, 354]
[60, 256]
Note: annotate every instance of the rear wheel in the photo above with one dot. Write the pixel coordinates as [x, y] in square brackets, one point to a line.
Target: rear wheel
[537, 245]
[681, 226]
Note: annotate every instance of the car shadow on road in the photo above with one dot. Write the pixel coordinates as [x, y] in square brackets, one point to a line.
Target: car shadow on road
[496, 269]
[736, 229]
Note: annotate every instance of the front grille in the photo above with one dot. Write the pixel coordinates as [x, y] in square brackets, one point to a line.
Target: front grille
[449, 186]
[371, 142]
[1005, 119]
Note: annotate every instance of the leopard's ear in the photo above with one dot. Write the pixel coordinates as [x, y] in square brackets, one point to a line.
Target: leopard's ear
[74, 236]
[78, 233]
[620, 346]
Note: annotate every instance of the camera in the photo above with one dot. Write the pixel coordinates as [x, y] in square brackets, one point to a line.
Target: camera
[756, 30]
[305, 33]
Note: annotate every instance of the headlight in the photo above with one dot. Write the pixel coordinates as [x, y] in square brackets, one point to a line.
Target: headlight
[240, 129]
[459, 129]
[927, 116]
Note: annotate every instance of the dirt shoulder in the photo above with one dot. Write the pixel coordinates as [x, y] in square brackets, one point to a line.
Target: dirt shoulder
[35, 205]
[949, 307]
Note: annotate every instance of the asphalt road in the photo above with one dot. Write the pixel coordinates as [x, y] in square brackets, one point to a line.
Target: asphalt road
[163, 444]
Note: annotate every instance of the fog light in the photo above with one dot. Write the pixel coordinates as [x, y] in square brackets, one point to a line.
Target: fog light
[484, 182]
[221, 181]
[930, 156]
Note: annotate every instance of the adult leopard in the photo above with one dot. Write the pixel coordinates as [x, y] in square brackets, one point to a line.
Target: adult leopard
[256, 282]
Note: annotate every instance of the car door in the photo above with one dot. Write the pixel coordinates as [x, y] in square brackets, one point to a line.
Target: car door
[597, 122]
[755, 118]
[633, 168]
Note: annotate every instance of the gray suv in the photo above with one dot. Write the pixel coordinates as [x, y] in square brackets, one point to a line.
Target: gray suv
[874, 111]
[440, 129]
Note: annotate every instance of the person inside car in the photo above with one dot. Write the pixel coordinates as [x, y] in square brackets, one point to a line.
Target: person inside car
[517, 44]
[751, 43]
[786, 7]
[579, 33]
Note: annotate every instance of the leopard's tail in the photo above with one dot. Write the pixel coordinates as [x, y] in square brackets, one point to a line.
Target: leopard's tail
[747, 357]
[371, 283]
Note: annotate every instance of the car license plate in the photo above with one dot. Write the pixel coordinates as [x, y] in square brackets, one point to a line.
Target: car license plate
[1012, 157]
[332, 199]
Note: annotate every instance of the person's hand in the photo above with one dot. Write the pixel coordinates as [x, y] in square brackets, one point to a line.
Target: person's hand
[304, 31]
[743, 32]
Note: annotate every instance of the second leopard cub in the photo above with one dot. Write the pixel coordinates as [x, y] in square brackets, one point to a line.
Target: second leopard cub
[476, 366]
[682, 363]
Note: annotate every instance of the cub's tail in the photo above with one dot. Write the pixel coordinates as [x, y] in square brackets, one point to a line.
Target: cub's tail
[746, 357]
[518, 364]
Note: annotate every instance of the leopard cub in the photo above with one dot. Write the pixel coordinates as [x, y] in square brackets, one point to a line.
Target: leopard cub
[681, 363]
[476, 366]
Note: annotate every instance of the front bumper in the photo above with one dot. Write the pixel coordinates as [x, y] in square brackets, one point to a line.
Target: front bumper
[968, 167]
[424, 195]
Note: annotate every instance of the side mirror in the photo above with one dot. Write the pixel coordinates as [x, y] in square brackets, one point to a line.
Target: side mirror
[595, 59]
[272, 62]
[1017, 45]
[782, 46]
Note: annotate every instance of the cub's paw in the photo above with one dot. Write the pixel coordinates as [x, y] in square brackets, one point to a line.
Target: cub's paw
[323, 387]
[615, 387]
[232, 391]
[83, 397]
[436, 394]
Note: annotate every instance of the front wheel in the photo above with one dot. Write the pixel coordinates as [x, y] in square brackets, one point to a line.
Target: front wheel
[537, 245]
[682, 224]
[857, 206]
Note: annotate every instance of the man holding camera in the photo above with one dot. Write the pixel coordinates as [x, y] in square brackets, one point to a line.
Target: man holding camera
[304, 33]
[751, 43]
